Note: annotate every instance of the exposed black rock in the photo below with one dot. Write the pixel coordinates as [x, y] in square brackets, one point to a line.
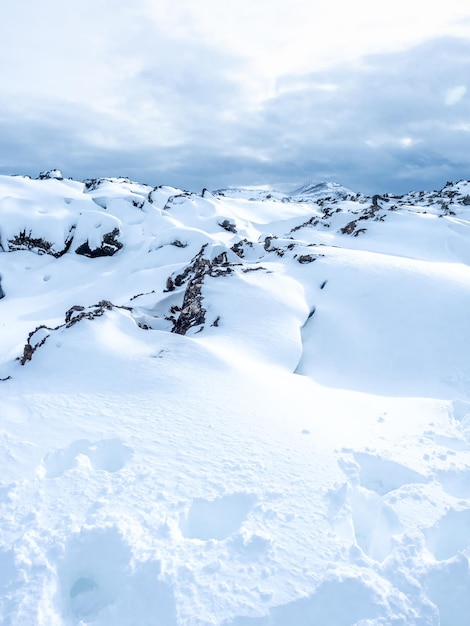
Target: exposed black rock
[76, 313]
[228, 226]
[109, 246]
[239, 245]
[306, 258]
[192, 311]
[137, 295]
[70, 313]
[174, 199]
[349, 228]
[245, 270]
[138, 204]
[57, 174]
[26, 241]
[170, 284]
[92, 183]
[35, 340]
[313, 221]
[371, 212]
[270, 248]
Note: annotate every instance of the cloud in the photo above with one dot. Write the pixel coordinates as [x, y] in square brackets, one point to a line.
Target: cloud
[163, 109]
[385, 125]
[289, 36]
[455, 94]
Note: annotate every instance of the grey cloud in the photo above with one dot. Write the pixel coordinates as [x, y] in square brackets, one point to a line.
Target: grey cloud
[356, 131]
[182, 121]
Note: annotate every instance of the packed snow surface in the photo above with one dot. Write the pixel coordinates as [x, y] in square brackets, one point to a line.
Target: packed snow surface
[239, 408]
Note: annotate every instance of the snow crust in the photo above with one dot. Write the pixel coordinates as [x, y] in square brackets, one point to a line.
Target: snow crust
[239, 408]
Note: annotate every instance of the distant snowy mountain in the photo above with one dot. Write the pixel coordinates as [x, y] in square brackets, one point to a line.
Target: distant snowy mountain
[251, 193]
[309, 191]
[322, 190]
[233, 408]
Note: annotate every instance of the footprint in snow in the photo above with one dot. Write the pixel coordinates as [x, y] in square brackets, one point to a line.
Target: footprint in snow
[358, 512]
[99, 579]
[217, 519]
[336, 603]
[8, 570]
[460, 410]
[5, 492]
[360, 517]
[451, 599]
[455, 482]
[375, 523]
[449, 535]
[108, 454]
[381, 475]
[452, 444]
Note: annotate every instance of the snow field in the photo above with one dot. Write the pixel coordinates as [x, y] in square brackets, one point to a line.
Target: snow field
[300, 457]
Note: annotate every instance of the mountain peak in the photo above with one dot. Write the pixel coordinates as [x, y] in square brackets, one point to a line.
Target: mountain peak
[321, 190]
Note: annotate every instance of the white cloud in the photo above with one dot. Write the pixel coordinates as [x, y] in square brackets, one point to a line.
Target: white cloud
[384, 142]
[462, 126]
[87, 49]
[407, 142]
[455, 94]
[295, 36]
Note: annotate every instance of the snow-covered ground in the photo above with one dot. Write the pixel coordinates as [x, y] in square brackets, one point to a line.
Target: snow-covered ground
[245, 408]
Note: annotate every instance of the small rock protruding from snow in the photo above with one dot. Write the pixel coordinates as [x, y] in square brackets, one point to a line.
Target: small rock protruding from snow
[57, 174]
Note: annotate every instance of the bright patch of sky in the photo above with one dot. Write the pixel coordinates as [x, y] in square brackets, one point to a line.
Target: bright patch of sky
[212, 94]
[298, 36]
[455, 94]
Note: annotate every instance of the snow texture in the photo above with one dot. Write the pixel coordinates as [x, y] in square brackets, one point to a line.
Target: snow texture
[238, 408]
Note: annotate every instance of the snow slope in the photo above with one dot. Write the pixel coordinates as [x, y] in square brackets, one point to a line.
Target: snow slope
[233, 409]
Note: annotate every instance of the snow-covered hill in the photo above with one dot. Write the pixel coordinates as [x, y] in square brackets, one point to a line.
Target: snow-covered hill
[239, 408]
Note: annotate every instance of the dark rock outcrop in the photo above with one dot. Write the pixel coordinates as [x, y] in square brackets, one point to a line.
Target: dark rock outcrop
[57, 174]
[228, 226]
[75, 314]
[109, 246]
[192, 312]
[39, 245]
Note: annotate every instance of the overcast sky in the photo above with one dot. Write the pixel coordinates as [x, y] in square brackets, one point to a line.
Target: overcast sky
[212, 93]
